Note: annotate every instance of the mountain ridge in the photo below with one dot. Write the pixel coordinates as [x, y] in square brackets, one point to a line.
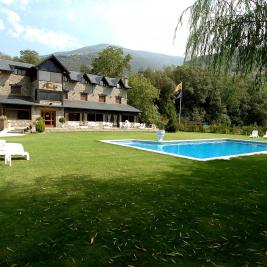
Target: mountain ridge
[140, 59]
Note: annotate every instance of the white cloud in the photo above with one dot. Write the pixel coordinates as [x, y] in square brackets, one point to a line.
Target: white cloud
[16, 3]
[142, 24]
[7, 2]
[2, 26]
[53, 39]
[14, 20]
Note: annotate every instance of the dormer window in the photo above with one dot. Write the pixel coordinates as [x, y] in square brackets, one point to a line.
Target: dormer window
[118, 86]
[15, 89]
[50, 76]
[20, 72]
[102, 98]
[118, 99]
[84, 97]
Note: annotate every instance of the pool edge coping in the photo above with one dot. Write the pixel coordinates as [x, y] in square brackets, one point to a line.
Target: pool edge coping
[190, 140]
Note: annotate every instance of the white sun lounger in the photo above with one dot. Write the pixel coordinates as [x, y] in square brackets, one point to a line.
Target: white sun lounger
[254, 134]
[265, 136]
[9, 150]
[4, 152]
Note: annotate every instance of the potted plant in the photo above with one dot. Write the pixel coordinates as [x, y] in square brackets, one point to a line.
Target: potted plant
[161, 129]
[3, 122]
[62, 121]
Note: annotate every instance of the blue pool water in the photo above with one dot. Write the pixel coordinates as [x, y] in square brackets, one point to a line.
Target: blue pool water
[199, 149]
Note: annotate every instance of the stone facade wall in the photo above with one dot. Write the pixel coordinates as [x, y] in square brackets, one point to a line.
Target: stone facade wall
[19, 123]
[7, 78]
[48, 103]
[76, 88]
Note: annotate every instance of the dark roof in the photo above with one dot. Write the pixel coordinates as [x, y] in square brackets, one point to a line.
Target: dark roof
[99, 106]
[9, 65]
[76, 76]
[17, 100]
[94, 79]
[53, 57]
[111, 81]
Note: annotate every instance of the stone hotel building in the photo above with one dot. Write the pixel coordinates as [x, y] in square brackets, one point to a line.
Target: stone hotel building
[50, 90]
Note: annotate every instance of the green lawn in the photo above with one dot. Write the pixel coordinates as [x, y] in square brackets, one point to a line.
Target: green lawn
[79, 202]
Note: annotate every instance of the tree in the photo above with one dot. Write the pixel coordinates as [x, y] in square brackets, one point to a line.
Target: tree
[29, 56]
[229, 33]
[111, 62]
[165, 102]
[85, 69]
[143, 96]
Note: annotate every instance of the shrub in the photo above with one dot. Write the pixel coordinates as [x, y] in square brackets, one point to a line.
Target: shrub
[62, 120]
[40, 125]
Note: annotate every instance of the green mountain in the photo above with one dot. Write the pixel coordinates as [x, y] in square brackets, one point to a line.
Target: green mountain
[140, 59]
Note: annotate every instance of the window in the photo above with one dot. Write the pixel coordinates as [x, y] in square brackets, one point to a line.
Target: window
[74, 116]
[24, 115]
[118, 86]
[20, 72]
[102, 98]
[118, 99]
[55, 77]
[16, 89]
[84, 96]
[124, 118]
[52, 96]
[50, 76]
[99, 117]
[65, 95]
[91, 117]
[130, 118]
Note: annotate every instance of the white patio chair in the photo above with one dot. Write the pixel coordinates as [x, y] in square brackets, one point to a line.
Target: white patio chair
[4, 152]
[127, 124]
[136, 125]
[254, 134]
[142, 126]
[107, 125]
[265, 136]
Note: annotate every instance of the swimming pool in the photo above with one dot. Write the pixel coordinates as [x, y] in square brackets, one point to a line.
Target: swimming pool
[202, 150]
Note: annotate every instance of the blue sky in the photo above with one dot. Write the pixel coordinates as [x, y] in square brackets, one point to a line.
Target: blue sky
[60, 25]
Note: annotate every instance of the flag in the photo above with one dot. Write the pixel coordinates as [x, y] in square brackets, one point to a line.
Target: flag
[178, 91]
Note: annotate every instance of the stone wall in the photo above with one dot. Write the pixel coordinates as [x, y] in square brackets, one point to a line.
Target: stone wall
[19, 123]
[7, 78]
[76, 88]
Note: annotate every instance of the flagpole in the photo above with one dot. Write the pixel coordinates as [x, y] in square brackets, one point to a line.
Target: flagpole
[180, 110]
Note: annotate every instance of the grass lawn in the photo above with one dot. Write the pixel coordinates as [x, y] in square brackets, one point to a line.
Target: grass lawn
[79, 202]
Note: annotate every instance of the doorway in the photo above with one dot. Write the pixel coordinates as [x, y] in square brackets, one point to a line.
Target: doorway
[49, 118]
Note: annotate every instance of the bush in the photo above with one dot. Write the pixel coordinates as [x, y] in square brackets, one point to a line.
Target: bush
[40, 125]
[62, 120]
[222, 129]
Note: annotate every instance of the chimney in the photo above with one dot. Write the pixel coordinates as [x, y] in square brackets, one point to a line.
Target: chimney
[125, 81]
